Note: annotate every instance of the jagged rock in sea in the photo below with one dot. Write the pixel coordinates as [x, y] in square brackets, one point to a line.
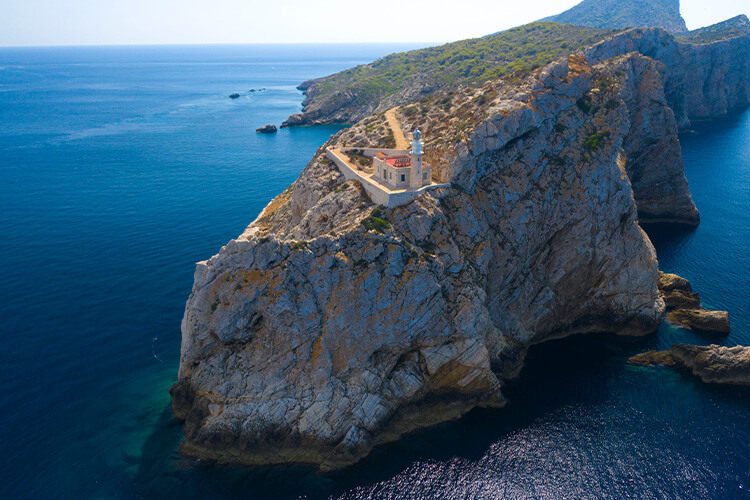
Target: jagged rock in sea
[266, 129]
[234, 96]
[685, 307]
[713, 364]
[677, 292]
[311, 338]
[702, 320]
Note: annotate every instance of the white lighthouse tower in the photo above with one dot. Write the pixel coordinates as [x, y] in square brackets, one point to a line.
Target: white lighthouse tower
[415, 178]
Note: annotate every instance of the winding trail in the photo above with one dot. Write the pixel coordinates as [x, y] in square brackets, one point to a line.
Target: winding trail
[398, 134]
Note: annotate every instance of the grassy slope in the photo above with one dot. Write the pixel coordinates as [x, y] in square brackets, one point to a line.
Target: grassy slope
[625, 14]
[519, 49]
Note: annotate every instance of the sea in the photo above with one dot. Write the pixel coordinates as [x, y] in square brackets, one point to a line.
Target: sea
[120, 167]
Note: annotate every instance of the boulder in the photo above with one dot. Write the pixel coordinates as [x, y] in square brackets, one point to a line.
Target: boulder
[651, 358]
[234, 96]
[713, 364]
[266, 129]
[685, 306]
[702, 320]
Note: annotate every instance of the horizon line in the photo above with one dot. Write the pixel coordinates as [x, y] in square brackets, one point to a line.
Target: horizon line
[195, 44]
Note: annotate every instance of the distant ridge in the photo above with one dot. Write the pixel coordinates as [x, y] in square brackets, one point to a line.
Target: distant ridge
[613, 14]
[731, 28]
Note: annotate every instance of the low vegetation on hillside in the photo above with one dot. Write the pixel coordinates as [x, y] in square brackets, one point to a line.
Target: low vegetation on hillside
[515, 51]
[631, 14]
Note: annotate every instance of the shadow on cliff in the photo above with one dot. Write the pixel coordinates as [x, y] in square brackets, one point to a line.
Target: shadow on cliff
[575, 371]
[571, 375]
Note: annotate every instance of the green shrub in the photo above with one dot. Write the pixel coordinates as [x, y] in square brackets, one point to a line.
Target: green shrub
[595, 141]
[585, 104]
[376, 224]
[612, 104]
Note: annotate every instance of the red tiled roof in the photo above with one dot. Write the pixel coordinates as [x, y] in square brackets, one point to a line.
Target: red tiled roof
[399, 161]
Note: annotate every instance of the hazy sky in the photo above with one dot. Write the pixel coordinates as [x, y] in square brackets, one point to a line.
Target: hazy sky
[84, 22]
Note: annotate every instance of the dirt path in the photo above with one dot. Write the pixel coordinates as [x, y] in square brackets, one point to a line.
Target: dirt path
[398, 134]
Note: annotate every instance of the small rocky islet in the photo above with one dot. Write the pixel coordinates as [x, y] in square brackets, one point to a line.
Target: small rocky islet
[316, 335]
[713, 364]
[266, 129]
[684, 306]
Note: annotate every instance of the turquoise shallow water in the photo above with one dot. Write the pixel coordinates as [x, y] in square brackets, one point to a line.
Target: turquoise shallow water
[121, 167]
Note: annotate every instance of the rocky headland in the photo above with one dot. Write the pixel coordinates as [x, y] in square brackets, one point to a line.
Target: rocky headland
[331, 325]
[713, 364]
[706, 72]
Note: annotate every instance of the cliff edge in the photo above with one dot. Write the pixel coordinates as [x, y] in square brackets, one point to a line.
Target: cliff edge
[331, 325]
[707, 71]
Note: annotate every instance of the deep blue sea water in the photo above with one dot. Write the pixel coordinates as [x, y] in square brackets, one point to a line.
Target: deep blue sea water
[120, 167]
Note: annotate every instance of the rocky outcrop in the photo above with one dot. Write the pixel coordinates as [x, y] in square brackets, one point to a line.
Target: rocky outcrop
[234, 96]
[677, 292]
[652, 358]
[654, 156]
[702, 320]
[625, 14]
[704, 74]
[704, 78]
[685, 307]
[317, 335]
[713, 364]
[266, 129]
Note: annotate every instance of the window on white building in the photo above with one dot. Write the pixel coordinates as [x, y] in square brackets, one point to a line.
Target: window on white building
[403, 177]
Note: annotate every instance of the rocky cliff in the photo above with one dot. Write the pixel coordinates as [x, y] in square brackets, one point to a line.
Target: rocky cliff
[331, 326]
[705, 77]
[707, 72]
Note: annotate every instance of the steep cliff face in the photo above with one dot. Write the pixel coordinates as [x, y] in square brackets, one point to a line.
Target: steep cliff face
[705, 77]
[312, 338]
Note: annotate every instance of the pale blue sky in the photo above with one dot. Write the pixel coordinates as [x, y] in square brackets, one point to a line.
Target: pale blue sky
[86, 22]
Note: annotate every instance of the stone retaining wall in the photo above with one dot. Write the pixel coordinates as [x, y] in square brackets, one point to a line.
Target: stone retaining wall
[377, 193]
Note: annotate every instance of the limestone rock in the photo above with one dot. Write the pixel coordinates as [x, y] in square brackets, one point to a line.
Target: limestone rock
[715, 364]
[677, 292]
[311, 338]
[293, 121]
[705, 76]
[650, 358]
[686, 308]
[266, 129]
[699, 319]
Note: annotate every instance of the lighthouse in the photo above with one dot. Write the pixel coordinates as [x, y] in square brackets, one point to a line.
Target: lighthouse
[416, 179]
